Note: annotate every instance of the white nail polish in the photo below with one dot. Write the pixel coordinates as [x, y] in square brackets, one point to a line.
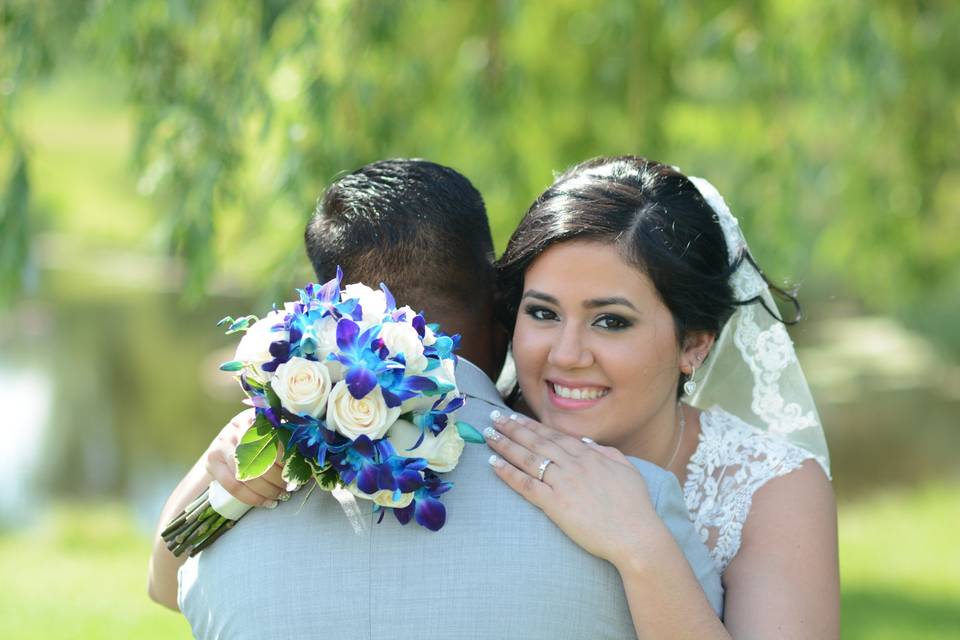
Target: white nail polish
[491, 434]
[495, 461]
[272, 504]
[515, 417]
[495, 415]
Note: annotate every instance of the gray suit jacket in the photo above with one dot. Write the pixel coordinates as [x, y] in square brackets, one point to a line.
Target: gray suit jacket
[499, 568]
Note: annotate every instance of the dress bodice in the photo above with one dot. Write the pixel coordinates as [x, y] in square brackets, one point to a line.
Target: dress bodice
[732, 461]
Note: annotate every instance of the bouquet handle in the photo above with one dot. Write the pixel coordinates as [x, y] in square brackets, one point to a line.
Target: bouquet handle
[204, 520]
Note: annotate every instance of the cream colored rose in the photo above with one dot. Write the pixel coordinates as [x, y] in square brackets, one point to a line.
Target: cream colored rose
[441, 452]
[254, 347]
[326, 335]
[383, 498]
[372, 301]
[402, 338]
[369, 416]
[302, 386]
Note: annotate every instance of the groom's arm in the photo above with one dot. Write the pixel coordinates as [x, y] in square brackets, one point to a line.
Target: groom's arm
[216, 463]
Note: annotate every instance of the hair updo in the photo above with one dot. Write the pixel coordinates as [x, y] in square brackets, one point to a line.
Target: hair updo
[658, 220]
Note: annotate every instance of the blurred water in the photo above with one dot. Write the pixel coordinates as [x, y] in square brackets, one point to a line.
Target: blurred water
[113, 395]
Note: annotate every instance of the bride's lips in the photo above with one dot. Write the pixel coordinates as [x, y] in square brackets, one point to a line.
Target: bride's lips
[573, 396]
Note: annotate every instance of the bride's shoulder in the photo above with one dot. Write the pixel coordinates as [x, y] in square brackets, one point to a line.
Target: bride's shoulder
[728, 441]
[742, 479]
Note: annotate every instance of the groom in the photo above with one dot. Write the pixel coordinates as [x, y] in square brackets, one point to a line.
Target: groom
[499, 568]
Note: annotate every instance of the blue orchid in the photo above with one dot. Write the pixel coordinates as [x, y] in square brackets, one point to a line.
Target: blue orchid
[360, 356]
[314, 440]
[436, 419]
[397, 387]
[426, 508]
[375, 466]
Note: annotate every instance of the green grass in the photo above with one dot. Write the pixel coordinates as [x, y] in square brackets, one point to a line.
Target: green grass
[900, 565]
[82, 573]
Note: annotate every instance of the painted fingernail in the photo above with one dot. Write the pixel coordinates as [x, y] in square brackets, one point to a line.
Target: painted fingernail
[272, 504]
[491, 434]
[284, 496]
[495, 461]
[587, 440]
[495, 415]
[515, 417]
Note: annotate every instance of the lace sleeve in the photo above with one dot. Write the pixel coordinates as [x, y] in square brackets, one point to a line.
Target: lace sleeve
[732, 461]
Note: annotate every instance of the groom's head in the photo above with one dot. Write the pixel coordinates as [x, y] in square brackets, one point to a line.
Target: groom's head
[421, 228]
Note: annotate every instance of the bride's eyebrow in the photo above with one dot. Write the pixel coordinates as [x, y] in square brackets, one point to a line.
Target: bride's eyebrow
[606, 302]
[539, 295]
[593, 303]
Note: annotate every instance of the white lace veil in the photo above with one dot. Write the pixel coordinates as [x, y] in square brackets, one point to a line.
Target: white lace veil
[753, 371]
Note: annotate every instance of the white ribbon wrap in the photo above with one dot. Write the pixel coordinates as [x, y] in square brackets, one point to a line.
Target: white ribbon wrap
[224, 503]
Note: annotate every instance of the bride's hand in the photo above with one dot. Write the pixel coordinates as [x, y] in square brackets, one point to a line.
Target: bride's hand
[593, 493]
[221, 464]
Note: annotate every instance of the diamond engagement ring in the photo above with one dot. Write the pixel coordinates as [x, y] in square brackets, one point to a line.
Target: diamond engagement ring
[542, 469]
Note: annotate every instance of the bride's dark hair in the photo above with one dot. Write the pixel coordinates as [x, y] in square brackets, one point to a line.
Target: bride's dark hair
[658, 220]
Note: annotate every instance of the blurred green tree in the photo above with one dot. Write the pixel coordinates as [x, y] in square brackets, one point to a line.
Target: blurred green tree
[832, 128]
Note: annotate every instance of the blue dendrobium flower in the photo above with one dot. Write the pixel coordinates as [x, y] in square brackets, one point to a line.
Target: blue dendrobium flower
[426, 508]
[314, 440]
[436, 419]
[376, 466]
[444, 347]
[397, 387]
[360, 357]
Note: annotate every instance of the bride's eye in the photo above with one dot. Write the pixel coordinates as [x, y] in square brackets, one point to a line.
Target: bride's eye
[539, 313]
[612, 322]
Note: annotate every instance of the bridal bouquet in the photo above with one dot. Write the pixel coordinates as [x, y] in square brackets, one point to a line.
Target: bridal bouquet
[357, 393]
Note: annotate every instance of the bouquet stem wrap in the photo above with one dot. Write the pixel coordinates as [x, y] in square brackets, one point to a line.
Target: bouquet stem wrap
[203, 521]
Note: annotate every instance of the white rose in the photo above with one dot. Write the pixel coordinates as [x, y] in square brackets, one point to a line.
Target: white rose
[384, 498]
[441, 452]
[403, 338]
[302, 386]
[372, 301]
[326, 335]
[369, 416]
[254, 347]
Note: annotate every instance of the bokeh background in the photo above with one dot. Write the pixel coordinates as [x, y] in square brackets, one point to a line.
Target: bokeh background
[158, 161]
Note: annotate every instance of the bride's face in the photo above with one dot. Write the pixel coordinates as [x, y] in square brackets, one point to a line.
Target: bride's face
[595, 347]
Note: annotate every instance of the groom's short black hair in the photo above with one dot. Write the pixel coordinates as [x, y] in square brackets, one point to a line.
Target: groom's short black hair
[416, 225]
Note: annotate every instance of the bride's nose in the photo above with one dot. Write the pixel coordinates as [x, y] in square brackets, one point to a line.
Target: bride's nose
[570, 351]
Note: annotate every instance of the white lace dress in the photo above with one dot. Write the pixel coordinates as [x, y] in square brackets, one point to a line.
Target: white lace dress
[731, 462]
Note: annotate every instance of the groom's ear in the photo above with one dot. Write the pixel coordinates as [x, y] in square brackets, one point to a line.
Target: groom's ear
[696, 348]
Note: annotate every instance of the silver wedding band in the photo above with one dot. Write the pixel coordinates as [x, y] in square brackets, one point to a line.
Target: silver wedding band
[542, 469]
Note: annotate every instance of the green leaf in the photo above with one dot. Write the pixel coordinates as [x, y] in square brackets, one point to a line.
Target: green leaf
[257, 450]
[469, 433]
[273, 398]
[240, 324]
[232, 365]
[297, 470]
[327, 478]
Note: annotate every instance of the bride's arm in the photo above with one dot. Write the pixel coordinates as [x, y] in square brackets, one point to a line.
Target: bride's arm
[783, 583]
[217, 462]
[162, 571]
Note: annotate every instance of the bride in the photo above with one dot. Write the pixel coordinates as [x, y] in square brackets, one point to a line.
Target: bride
[642, 326]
